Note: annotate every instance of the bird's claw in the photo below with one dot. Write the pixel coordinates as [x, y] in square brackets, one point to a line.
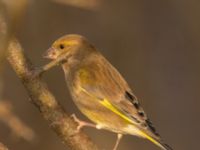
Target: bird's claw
[82, 124]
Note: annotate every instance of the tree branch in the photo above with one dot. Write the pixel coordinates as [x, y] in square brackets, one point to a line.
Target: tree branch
[59, 121]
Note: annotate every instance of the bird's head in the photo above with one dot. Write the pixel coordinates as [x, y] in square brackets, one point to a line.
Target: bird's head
[67, 45]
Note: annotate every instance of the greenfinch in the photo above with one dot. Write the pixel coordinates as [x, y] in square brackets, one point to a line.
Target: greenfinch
[99, 90]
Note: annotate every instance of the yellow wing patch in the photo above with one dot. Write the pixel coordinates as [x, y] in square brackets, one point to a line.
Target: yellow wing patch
[108, 105]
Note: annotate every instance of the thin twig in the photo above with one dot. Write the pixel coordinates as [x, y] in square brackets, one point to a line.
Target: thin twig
[39, 71]
[91, 5]
[17, 126]
[59, 120]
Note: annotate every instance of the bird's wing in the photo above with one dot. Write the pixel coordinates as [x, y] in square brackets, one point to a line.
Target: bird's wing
[101, 80]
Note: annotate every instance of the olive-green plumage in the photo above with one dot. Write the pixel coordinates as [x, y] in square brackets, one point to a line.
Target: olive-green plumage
[99, 91]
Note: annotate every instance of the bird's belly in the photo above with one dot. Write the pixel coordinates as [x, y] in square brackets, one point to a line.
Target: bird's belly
[101, 115]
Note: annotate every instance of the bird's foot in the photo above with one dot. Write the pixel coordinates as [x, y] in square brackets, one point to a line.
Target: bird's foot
[82, 124]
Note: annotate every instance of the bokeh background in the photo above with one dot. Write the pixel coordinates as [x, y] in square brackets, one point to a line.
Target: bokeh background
[154, 44]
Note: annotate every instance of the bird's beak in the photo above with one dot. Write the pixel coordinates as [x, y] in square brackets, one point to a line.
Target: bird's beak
[50, 53]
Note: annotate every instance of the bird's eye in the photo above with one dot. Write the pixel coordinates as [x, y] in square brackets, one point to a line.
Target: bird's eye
[61, 46]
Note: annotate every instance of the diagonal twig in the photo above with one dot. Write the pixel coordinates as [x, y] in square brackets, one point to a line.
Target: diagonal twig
[17, 126]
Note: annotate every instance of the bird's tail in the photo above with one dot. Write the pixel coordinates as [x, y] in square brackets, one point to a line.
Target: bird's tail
[164, 146]
[157, 142]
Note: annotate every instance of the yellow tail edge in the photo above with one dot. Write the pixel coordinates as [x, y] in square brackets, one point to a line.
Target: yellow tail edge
[156, 142]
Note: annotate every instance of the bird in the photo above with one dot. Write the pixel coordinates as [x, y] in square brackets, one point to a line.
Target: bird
[100, 92]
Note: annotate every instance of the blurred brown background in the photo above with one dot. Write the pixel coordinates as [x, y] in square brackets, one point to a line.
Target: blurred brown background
[154, 44]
